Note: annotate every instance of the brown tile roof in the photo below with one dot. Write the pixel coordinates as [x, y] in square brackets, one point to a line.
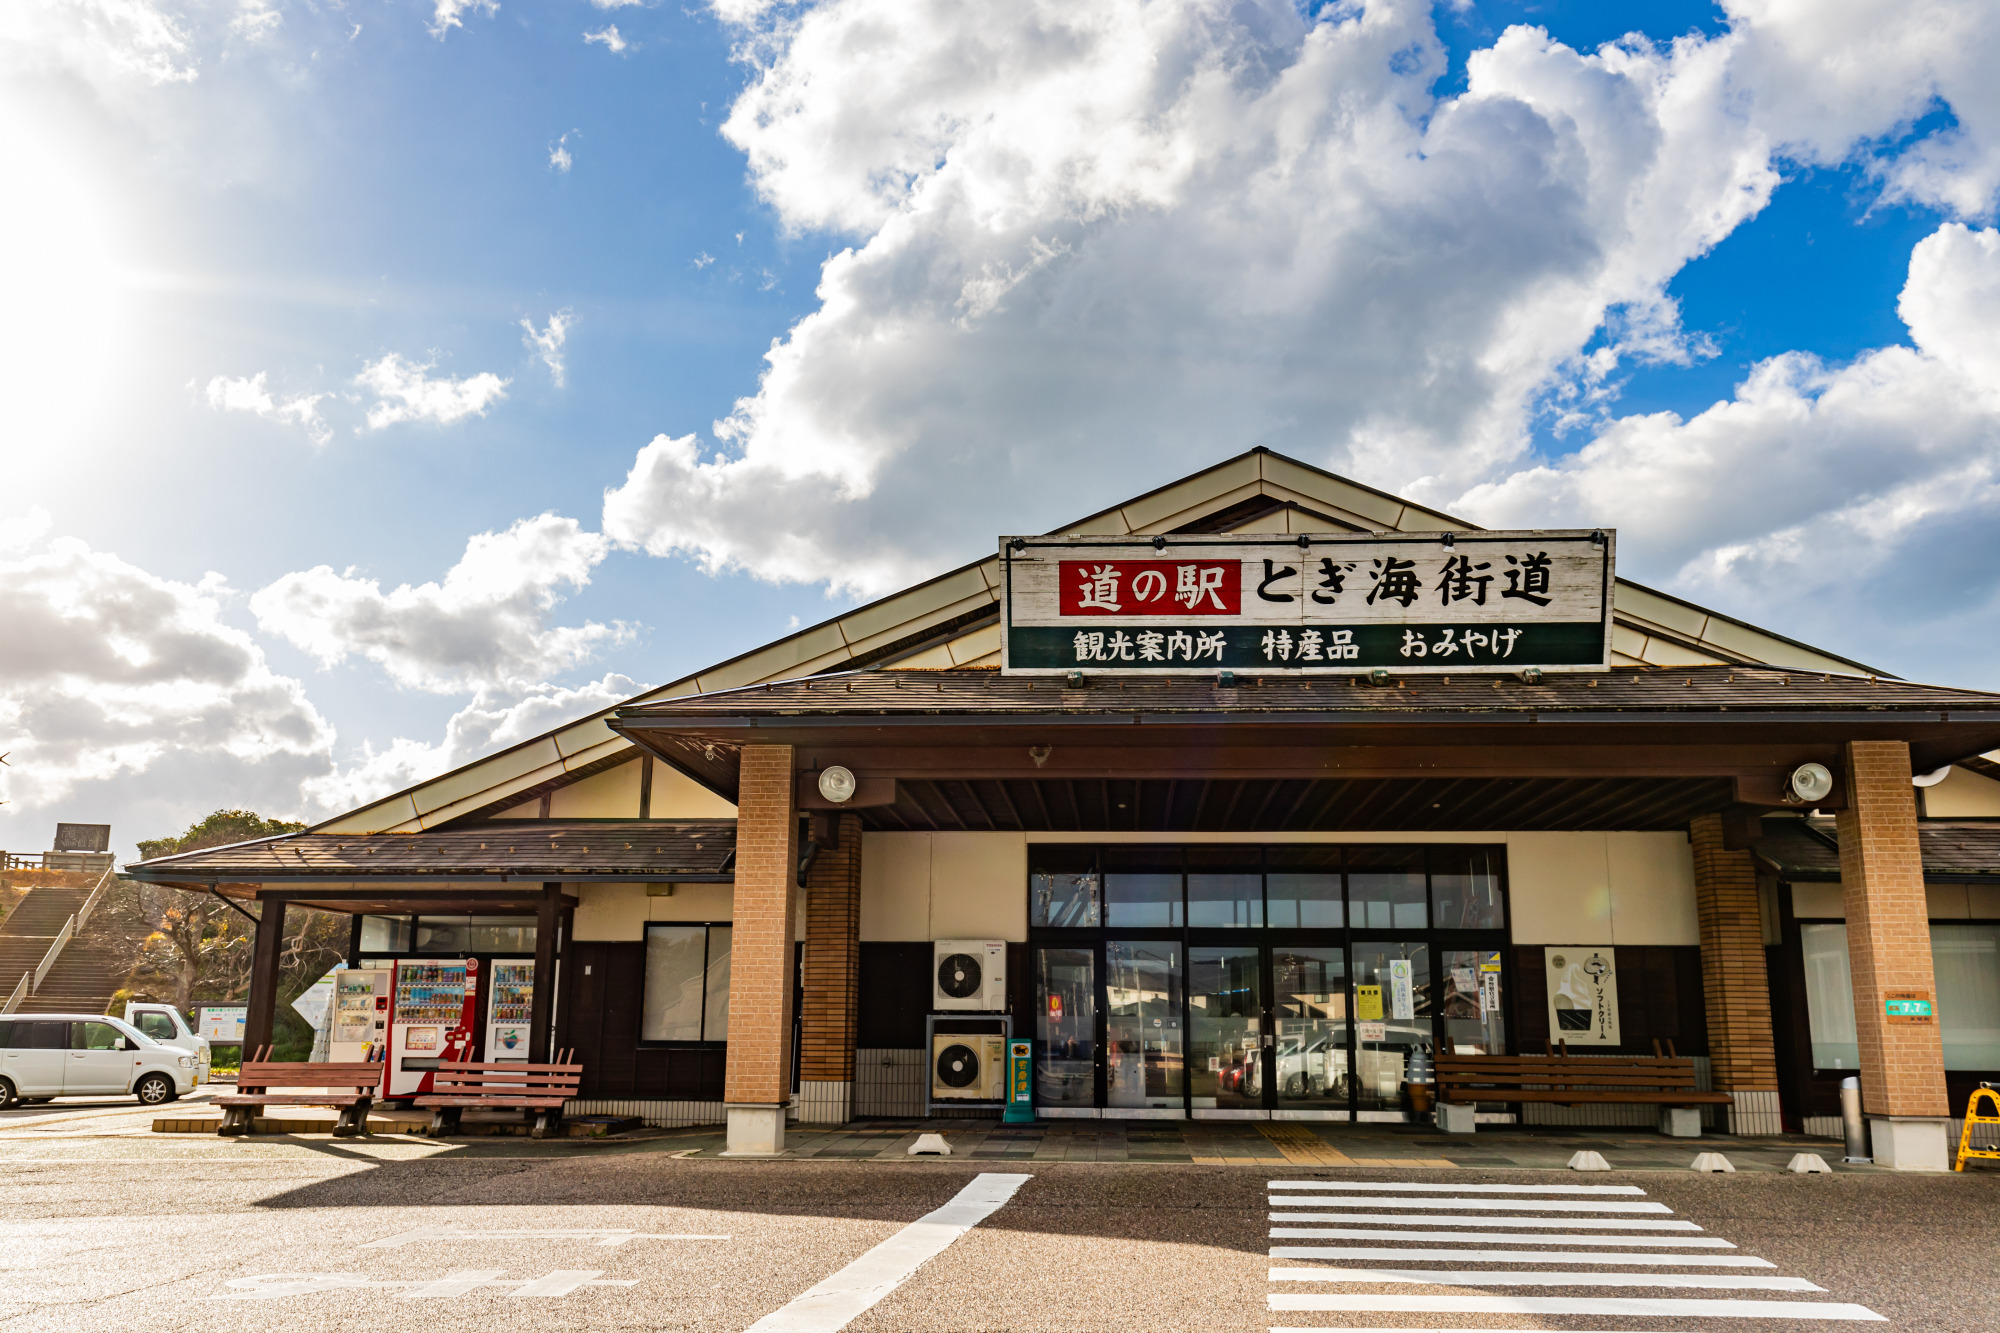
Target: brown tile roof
[1628, 691]
[1808, 850]
[510, 849]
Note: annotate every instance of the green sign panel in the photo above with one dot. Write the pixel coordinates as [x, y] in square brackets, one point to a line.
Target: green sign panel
[1907, 1008]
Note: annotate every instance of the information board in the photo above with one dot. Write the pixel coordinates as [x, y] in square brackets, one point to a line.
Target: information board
[223, 1023]
[1314, 603]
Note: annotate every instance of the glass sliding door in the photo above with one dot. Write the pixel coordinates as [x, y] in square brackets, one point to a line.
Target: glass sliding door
[1469, 1002]
[1066, 1027]
[1145, 1055]
[1226, 1022]
[1392, 1021]
[1309, 1018]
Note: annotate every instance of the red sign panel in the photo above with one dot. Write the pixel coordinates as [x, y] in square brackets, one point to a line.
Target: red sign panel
[1151, 587]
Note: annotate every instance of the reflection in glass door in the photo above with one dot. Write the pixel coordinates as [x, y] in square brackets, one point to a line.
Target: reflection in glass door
[1144, 1052]
[1226, 1014]
[1392, 1021]
[1309, 1013]
[1066, 1027]
[1469, 1002]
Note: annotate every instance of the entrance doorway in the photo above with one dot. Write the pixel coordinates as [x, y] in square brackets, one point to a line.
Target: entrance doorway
[1296, 982]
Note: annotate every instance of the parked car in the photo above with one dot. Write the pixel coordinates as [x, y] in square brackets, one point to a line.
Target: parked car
[169, 1027]
[78, 1055]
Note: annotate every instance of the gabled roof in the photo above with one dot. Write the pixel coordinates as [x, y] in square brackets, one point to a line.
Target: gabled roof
[952, 620]
[1808, 851]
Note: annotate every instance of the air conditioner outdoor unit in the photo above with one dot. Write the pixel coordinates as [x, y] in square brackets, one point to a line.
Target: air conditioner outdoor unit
[968, 1067]
[969, 975]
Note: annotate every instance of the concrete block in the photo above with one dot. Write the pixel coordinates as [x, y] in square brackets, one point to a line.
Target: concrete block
[1714, 1161]
[1808, 1164]
[1681, 1122]
[1456, 1117]
[756, 1131]
[1588, 1161]
[1909, 1145]
[929, 1145]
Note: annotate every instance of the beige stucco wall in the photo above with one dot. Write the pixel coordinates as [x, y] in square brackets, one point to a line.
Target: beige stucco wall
[621, 911]
[614, 794]
[1566, 888]
[1963, 795]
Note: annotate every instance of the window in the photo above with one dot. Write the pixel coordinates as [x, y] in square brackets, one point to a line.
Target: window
[475, 934]
[1225, 887]
[34, 1035]
[1303, 886]
[1829, 996]
[1385, 888]
[157, 1026]
[385, 934]
[1063, 887]
[95, 1037]
[687, 984]
[1966, 959]
[1142, 886]
[1465, 889]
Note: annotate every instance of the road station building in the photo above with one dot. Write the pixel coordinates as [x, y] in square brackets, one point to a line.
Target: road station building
[1243, 799]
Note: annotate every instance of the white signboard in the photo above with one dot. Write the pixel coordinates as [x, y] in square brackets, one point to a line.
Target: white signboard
[1305, 604]
[1401, 1004]
[223, 1023]
[311, 1005]
[1583, 995]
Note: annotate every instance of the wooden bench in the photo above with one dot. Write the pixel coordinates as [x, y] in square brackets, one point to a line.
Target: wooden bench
[503, 1085]
[253, 1083]
[1665, 1081]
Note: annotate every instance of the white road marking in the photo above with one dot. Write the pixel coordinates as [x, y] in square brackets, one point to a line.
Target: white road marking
[1662, 1306]
[613, 1237]
[845, 1296]
[1485, 1278]
[1418, 1220]
[1393, 1186]
[1522, 1205]
[1496, 1237]
[1514, 1256]
[277, 1286]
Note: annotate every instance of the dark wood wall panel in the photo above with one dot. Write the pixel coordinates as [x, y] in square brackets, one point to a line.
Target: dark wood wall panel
[895, 994]
[1659, 996]
[603, 1002]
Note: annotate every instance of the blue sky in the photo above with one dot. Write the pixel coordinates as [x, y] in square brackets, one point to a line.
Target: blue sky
[307, 191]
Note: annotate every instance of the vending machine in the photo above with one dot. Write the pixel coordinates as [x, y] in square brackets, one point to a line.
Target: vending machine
[510, 1001]
[435, 1017]
[360, 1026]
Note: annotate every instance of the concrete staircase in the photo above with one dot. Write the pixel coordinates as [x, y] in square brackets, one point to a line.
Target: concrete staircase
[87, 972]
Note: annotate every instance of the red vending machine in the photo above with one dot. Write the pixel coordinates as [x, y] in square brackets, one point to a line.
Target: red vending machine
[435, 1017]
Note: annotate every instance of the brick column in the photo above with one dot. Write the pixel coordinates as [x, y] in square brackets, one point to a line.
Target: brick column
[757, 1085]
[1742, 1057]
[833, 975]
[1889, 950]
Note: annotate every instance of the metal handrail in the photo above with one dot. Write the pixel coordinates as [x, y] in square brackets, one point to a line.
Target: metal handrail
[20, 993]
[90, 903]
[49, 958]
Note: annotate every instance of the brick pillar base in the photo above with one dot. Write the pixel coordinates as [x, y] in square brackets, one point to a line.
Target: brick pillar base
[757, 1084]
[1888, 951]
[828, 1024]
[1733, 980]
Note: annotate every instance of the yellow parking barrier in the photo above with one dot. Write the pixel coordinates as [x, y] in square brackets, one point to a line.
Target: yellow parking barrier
[1965, 1148]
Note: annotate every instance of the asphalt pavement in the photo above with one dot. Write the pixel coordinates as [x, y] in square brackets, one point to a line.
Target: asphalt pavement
[105, 1226]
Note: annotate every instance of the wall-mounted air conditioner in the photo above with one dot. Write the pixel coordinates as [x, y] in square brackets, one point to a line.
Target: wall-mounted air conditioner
[968, 1067]
[969, 975]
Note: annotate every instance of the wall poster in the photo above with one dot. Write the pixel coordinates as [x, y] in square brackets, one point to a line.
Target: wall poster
[1583, 995]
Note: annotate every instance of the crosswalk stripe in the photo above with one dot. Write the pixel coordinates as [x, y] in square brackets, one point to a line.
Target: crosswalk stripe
[1395, 1186]
[1521, 1205]
[1489, 1220]
[1482, 1278]
[1624, 1307]
[1495, 1237]
[1514, 1256]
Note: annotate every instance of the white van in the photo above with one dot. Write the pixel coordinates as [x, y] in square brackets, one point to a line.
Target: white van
[166, 1025]
[85, 1055]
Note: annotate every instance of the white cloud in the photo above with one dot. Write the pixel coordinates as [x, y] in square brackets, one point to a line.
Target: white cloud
[249, 394]
[617, 4]
[255, 19]
[405, 391]
[449, 14]
[492, 721]
[548, 343]
[105, 41]
[1853, 505]
[483, 628]
[608, 37]
[559, 154]
[123, 690]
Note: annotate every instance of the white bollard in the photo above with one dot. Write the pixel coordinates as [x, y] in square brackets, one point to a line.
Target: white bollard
[1589, 1161]
[932, 1144]
[1713, 1161]
[1808, 1164]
